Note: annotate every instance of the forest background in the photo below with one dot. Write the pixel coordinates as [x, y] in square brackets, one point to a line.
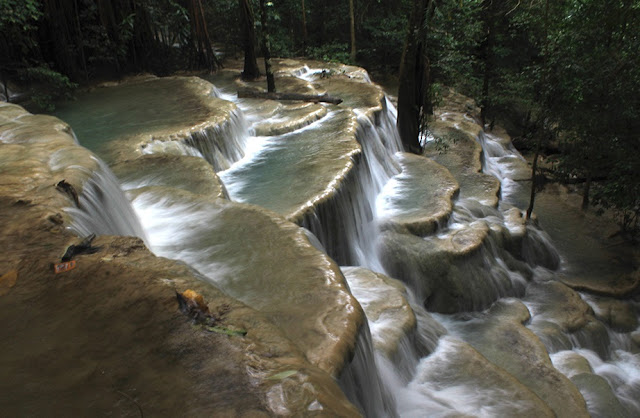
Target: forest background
[562, 76]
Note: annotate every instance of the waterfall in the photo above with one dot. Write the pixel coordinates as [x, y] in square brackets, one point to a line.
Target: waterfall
[347, 224]
[361, 380]
[426, 374]
[222, 145]
[104, 208]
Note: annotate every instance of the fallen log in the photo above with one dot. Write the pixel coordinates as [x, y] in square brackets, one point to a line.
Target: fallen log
[255, 94]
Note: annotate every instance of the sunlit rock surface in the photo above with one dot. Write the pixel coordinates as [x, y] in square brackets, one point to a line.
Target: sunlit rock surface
[110, 337]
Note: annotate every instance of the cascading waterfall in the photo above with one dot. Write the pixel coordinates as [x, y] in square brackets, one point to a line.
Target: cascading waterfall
[363, 384]
[510, 258]
[104, 208]
[346, 225]
[222, 145]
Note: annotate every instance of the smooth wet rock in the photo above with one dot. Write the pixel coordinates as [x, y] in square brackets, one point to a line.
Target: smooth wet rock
[475, 384]
[289, 118]
[420, 197]
[107, 337]
[503, 339]
[452, 272]
[463, 159]
[571, 363]
[264, 261]
[384, 303]
[314, 163]
[619, 286]
[556, 302]
[620, 315]
[174, 171]
[601, 400]
[167, 114]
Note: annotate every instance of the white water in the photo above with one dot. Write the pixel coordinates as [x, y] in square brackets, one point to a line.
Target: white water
[104, 208]
[413, 382]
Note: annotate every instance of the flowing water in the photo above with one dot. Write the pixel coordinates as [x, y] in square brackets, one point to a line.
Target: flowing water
[503, 272]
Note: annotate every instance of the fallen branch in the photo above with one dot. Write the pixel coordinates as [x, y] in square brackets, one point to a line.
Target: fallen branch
[314, 98]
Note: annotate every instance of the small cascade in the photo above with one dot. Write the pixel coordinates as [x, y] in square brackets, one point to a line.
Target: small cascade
[222, 145]
[481, 253]
[361, 381]
[104, 208]
[347, 224]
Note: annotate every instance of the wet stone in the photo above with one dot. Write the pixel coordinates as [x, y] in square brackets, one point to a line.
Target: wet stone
[620, 315]
[383, 299]
[503, 339]
[420, 197]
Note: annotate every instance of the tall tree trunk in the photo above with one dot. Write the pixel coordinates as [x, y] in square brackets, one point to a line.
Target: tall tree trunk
[534, 172]
[352, 27]
[413, 91]
[201, 41]
[534, 168]
[587, 189]
[487, 55]
[251, 70]
[80, 41]
[266, 49]
[304, 30]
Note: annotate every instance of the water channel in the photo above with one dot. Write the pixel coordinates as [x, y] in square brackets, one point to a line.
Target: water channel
[467, 313]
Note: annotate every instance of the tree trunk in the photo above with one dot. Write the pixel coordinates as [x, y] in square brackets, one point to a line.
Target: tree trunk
[266, 48]
[413, 91]
[534, 168]
[534, 171]
[251, 70]
[304, 30]
[200, 37]
[487, 55]
[587, 189]
[352, 27]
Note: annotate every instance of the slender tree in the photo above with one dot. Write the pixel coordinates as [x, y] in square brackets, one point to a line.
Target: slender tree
[414, 102]
[200, 36]
[304, 30]
[266, 48]
[352, 27]
[251, 71]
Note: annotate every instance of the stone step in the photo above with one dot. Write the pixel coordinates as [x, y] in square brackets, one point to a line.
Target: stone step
[501, 337]
[125, 295]
[463, 159]
[419, 199]
[384, 302]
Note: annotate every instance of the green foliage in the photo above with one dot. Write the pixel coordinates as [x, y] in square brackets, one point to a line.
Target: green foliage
[333, 52]
[454, 36]
[18, 20]
[46, 87]
[594, 73]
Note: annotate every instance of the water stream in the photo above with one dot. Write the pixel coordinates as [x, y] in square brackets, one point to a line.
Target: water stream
[448, 362]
